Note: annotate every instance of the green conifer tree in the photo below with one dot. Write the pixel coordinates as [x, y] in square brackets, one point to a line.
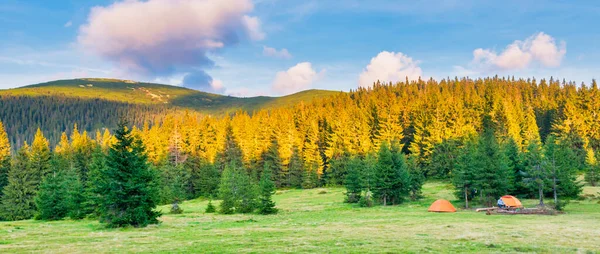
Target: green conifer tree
[127, 188]
[273, 160]
[592, 173]
[4, 158]
[353, 183]
[296, 169]
[536, 173]
[464, 176]
[387, 177]
[51, 199]
[18, 201]
[417, 177]
[267, 189]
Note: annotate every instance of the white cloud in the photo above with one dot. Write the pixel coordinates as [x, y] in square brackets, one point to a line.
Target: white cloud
[538, 48]
[297, 78]
[217, 85]
[273, 52]
[68, 24]
[389, 66]
[166, 37]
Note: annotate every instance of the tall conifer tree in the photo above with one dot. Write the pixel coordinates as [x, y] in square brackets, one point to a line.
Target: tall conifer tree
[127, 188]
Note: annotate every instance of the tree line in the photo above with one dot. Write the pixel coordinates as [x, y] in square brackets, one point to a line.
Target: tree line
[489, 136]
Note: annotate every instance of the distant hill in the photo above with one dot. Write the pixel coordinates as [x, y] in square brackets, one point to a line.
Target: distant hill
[94, 104]
[149, 93]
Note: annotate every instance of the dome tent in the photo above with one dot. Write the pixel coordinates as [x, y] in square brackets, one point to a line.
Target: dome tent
[511, 201]
[442, 205]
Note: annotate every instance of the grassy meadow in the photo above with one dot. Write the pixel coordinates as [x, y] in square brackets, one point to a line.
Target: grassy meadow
[317, 221]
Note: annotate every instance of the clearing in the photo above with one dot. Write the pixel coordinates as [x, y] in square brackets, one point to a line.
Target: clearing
[317, 221]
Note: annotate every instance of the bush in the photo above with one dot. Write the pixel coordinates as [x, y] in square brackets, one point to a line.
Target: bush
[175, 209]
[560, 206]
[210, 208]
[366, 201]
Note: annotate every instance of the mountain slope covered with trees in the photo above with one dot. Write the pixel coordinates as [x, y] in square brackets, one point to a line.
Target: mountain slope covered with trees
[96, 104]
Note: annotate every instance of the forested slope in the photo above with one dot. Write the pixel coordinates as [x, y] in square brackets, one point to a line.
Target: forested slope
[95, 104]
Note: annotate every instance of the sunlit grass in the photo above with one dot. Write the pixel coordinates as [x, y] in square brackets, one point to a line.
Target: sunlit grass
[317, 222]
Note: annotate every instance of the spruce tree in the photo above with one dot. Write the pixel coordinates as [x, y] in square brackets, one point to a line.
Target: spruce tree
[338, 168]
[273, 160]
[386, 176]
[127, 187]
[515, 165]
[18, 201]
[51, 199]
[4, 158]
[228, 191]
[492, 174]
[173, 183]
[203, 177]
[464, 176]
[311, 178]
[592, 173]
[536, 173]
[353, 182]
[237, 191]
[296, 169]
[417, 177]
[402, 186]
[40, 157]
[561, 163]
[267, 189]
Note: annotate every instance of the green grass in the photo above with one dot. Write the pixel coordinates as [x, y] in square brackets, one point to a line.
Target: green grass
[321, 223]
[149, 93]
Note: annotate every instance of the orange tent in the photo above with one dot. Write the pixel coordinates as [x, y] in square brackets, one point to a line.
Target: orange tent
[511, 201]
[442, 205]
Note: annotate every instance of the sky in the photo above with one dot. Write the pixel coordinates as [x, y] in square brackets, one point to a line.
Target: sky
[277, 47]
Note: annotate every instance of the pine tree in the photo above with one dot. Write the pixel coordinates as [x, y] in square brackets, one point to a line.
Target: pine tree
[267, 189]
[338, 168]
[40, 157]
[353, 182]
[536, 173]
[231, 153]
[417, 177]
[402, 186]
[273, 160]
[173, 183]
[296, 169]
[562, 170]
[513, 154]
[51, 199]
[387, 176]
[4, 158]
[18, 201]
[464, 176]
[492, 176]
[228, 191]
[592, 174]
[204, 177]
[127, 187]
[237, 191]
[311, 177]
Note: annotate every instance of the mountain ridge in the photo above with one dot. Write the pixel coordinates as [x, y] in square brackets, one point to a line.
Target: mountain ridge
[135, 92]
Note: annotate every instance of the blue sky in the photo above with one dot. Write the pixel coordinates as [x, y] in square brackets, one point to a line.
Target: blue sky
[235, 46]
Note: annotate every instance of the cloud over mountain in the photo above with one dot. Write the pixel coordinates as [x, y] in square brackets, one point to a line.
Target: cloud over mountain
[163, 37]
[296, 78]
[539, 48]
[389, 66]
